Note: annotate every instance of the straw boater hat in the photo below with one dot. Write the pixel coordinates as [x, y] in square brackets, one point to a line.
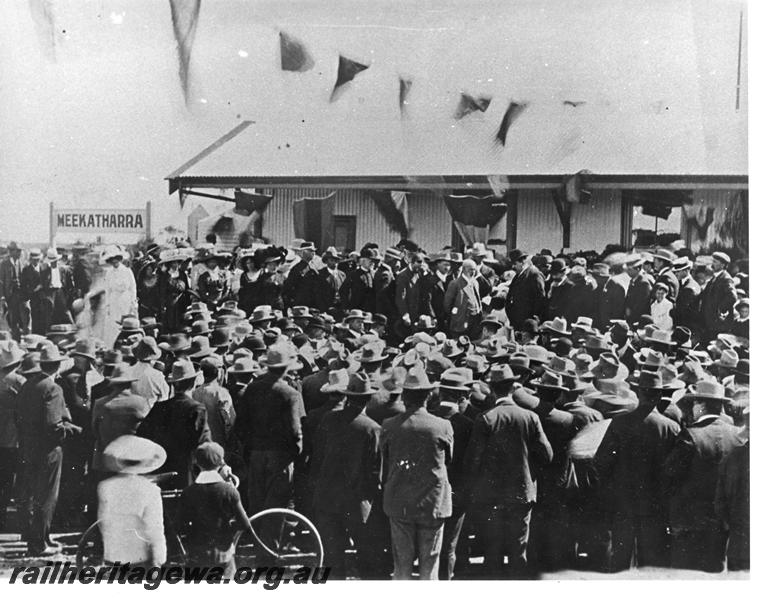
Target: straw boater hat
[130, 454]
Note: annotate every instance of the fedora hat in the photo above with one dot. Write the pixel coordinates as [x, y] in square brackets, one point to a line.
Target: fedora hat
[281, 355]
[353, 314]
[519, 362]
[300, 311]
[476, 363]
[52, 254]
[197, 307]
[51, 354]
[30, 364]
[608, 366]
[451, 349]
[572, 381]
[123, 373]
[134, 455]
[707, 389]
[742, 368]
[177, 342]
[650, 359]
[437, 363]
[372, 352]
[243, 365]
[331, 252]
[558, 326]
[597, 344]
[200, 347]
[456, 378]
[728, 359]
[111, 358]
[84, 347]
[149, 323]
[601, 269]
[359, 384]
[32, 341]
[501, 373]
[420, 337]
[130, 324]
[262, 313]
[416, 379]
[612, 398]
[199, 327]
[491, 321]
[337, 382]
[653, 380]
[393, 381]
[220, 337]
[681, 263]
[537, 354]
[560, 365]
[182, 370]
[146, 349]
[549, 380]
[10, 355]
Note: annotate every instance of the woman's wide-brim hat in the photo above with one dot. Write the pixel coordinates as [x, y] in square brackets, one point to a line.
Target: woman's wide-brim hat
[134, 455]
[175, 255]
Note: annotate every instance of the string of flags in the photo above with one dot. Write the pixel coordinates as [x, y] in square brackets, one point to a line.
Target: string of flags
[184, 16]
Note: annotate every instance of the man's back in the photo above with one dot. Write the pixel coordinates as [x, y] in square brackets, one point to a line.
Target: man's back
[40, 413]
[416, 447]
[507, 447]
[116, 415]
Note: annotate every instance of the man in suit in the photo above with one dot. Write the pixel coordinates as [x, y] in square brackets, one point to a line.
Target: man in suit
[582, 298]
[559, 292]
[718, 298]
[691, 473]
[43, 423]
[434, 286]
[611, 295]
[32, 289]
[416, 449]
[330, 280]
[408, 289]
[357, 291]
[180, 424]
[477, 254]
[384, 281]
[526, 295]
[462, 303]
[629, 464]
[663, 265]
[507, 448]
[12, 302]
[686, 312]
[639, 291]
[347, 469]
[301, 286]
[59, 287]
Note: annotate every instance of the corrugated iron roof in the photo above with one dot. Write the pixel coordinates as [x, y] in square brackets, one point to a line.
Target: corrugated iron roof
[612, 91]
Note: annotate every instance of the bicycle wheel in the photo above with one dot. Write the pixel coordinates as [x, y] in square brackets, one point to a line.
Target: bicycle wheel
[286, 538]
[90, 549]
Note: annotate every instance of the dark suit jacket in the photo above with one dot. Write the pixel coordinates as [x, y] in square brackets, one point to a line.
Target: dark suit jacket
[10, 283]
[559, 298]
[408, 289]
[638, 298]
[526, 297]
[41, 414]
[432, 294]
[384, 405]
[384, 288]
[611, 303]
[686, 311]
[461, 303]
[180, 424]
[416, 449]
[507, 449]
[311, 395]
[301, 286]
[582, 302]
[358, 291]
[629, 462]
[691, 472]
[329, 284]
[717, 302]
[346, 463]
[33, 282]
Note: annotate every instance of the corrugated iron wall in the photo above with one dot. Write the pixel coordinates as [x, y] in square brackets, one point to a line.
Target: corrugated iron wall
[599, 223]
[538, 223]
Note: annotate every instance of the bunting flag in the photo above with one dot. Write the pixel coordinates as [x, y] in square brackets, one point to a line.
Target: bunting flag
[45, 26]
[293, 55]
[182, 198]
[346, 72]
[473, 216]
[513, 111]
[405, 88]
[575, 188]
[184, 15]
[249, 203]
[468, 104]
[394, 208]
[314, 220]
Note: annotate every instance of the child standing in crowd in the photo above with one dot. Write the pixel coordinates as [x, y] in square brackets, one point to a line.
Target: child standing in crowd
[661, 307]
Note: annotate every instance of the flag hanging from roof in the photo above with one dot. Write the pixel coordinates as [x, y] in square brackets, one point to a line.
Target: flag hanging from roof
[394, 208]
[405, 88]
[45, 26]
[468, 104]
[513, 111]
[346, 72]
[184, 16]
[294, 55]
[474, 216]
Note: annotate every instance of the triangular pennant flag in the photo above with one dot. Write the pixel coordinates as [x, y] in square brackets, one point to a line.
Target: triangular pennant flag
[184, 15]
[182, 198]
[513, 111]
[293, 55]
[468, 104]
[405, 88]
[45, 26]
[347, 71]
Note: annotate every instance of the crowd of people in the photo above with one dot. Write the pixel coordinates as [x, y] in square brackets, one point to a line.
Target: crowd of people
[543, 412]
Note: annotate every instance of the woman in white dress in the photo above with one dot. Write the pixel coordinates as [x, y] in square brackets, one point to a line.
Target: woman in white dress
[119, 298]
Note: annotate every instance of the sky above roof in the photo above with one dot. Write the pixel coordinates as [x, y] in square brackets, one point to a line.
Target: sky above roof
[104, 121]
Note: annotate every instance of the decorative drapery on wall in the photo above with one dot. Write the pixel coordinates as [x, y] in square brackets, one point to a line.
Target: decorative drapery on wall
[473, 216]
[394, 208]
[314, 220]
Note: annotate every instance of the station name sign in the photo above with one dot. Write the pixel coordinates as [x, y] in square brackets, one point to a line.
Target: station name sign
[89, 220]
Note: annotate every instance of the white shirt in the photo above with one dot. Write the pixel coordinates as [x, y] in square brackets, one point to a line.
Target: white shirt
[55, 278]
[660, 313]
[131, 520]
[150, 384]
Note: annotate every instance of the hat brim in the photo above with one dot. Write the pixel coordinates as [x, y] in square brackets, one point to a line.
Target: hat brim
[549, 329]
[31, 371]
[202, 353]
[458, 388]
[115, 380]
[693, 397]
[233, 371]
[546, 386]
[84, 355]
[425, 387]
[185, 378]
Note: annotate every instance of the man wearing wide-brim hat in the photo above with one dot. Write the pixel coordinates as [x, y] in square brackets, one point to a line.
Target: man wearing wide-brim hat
[43, 423]
[348, 445]
[302, 281]
[507, 448]
[690, 476]
[150, 383]
[179, 424]
[10, 384]
[330, 281]
[630, 460]
[130, 506]
[717, 298]
[416, 447]
[269, 426]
